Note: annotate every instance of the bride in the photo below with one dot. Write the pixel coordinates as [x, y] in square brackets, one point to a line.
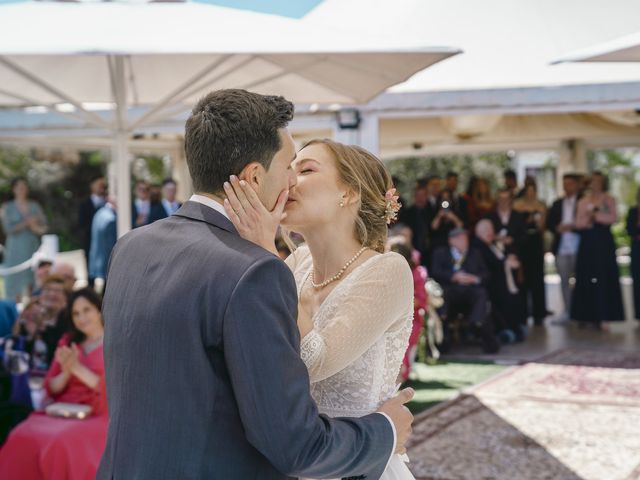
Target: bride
[355, 301]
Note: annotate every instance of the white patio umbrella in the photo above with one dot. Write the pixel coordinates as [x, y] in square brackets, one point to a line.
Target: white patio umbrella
[624, 49]
[166, 55]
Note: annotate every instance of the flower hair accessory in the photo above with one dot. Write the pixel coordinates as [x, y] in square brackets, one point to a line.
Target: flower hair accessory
[391, 210]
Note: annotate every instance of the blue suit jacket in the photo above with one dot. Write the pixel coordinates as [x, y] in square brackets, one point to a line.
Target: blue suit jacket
[204, 376]
[103, 238]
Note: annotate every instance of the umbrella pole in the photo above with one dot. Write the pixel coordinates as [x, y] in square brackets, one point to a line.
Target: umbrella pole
[120, 152]
[120, 155]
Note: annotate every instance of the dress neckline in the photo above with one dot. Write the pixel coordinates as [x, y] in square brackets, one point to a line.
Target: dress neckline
[305, 278]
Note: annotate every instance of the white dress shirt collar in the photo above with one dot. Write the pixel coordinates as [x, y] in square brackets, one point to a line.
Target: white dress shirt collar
[209, 202]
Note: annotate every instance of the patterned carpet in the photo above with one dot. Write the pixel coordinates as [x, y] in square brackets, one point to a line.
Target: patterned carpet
[572, 415]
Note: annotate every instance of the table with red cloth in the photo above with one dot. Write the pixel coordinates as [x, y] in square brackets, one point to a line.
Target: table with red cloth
[51, 448]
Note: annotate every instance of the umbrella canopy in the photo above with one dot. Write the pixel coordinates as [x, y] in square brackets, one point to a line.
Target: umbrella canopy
[166, 55]
[625, 49]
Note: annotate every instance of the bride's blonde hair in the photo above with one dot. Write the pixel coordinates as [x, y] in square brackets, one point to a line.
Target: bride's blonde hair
[367, 176]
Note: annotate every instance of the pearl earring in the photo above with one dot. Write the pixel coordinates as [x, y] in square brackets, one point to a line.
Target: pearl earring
[342, 203]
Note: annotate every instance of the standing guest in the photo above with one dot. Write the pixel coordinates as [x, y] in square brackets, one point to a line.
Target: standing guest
[24, 223]
[531, 251]
[415, 217]
[508, 224]
[419, 306]
[156, 208]
[463, 275]
[105, 235]
[597, 296]
[45, 447]
[67, 272]
[561, 221]
[88, 208]
[479, 201]
[511, 182]
[141, 206]
[458, 202]
[445, 220]
[169, 192]
[633, 229]
[508, 306]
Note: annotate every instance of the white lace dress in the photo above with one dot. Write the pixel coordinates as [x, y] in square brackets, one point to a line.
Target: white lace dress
[361, 332]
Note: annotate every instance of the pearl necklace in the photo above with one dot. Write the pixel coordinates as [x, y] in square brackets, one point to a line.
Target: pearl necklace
[337, 275]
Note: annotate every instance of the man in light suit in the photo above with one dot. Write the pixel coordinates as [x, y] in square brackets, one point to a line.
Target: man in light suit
[204, 377]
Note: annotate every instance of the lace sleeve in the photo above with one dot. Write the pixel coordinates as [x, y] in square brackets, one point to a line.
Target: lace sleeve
[380, 299]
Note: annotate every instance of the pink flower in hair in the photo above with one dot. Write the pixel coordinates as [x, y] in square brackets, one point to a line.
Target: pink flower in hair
[391, 211]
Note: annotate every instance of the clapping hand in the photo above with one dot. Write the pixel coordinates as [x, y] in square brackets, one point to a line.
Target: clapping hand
[67, 357]
[250, 217]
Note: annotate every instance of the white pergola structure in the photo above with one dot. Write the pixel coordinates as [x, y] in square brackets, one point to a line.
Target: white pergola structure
[164, 56]
[625, 49]
[503, 93]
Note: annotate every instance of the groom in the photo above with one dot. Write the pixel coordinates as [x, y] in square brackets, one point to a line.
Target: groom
[204, 376]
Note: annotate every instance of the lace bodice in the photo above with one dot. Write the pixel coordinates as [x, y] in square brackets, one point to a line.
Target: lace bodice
[361, 332]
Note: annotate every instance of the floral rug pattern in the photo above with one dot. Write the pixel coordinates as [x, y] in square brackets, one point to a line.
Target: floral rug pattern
[565, 417]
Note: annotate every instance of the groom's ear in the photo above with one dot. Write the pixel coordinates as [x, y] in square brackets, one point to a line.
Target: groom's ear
[253, 174]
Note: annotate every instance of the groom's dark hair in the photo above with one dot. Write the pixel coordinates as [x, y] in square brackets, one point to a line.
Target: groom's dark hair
[227, 130]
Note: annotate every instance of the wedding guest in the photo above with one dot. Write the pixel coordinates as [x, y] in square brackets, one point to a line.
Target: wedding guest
[561, 221]
[169, 192]
[156, 209]
[511, 182]
[633, 229]
[419, 305]
[597, 297]
[104, 235]
[463, 275]
[43, 270]
[415, 217]
[67, 272]
[508, 224]
[88, 208]
[445, 220]
[24, 223]
[508, 307]
[458, 202]
[141, 206]
[44, 323]
[479, 201]
[531, 251]
[46, 447]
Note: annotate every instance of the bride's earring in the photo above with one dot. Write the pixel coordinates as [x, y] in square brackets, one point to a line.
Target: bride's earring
[342, 203]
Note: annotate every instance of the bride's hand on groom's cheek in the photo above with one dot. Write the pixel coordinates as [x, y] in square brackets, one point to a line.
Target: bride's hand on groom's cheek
[250, 217]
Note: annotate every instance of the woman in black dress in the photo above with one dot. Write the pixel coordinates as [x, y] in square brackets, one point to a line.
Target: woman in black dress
[531, 250]
[597, 296]
[633, 229]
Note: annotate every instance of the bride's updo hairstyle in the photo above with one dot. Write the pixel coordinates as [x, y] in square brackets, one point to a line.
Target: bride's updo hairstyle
[366, 175]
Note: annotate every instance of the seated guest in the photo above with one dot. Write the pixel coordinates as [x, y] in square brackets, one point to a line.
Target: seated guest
[67, 272]
[508, 307]
[463, 275]
[45, 447]
[44, 322]
[419, 305]
[43, 270]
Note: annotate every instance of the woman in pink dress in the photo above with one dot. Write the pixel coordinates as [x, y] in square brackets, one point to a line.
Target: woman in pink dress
[52, 448]
[419, 307]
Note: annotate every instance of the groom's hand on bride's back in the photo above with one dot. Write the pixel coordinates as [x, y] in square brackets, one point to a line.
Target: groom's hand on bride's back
[400, 416]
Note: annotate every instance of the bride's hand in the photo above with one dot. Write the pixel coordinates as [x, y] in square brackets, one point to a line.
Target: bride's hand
[250, 217]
